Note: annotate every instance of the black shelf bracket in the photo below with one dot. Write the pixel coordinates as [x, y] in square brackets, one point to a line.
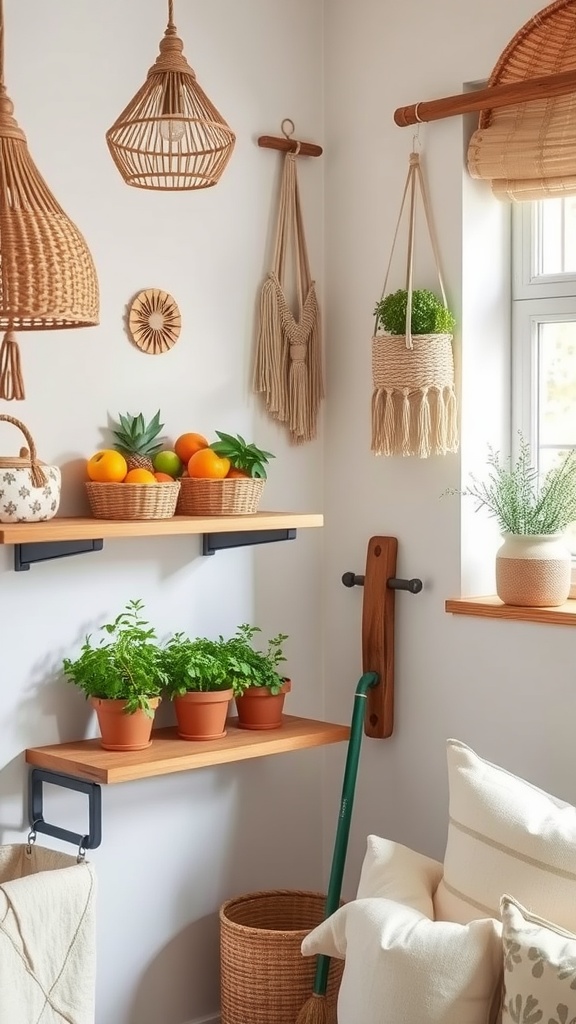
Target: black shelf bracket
[36, 810]
[212, 542]
[26, 555]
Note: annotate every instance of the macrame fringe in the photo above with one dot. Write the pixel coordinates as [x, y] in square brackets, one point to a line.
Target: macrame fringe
[11, 379]
[410, 423]
[271, 356]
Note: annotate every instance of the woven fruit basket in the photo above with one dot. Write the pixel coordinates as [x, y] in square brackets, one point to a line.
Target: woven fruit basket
[233, 496]
[132, 501]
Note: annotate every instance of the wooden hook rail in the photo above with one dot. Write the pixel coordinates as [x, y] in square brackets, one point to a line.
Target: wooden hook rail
[505, 95]
[287, 144]
[380, 584]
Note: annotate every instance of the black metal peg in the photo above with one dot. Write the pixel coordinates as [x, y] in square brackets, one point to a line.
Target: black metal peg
[350, 579]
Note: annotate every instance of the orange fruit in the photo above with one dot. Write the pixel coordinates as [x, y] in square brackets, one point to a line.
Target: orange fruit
[140, 476]
[238, 473]
[107, 466]
[188, 444]
[208, 465]
[164, 478]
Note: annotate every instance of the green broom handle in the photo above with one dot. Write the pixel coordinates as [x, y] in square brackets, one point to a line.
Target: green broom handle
[367, 681]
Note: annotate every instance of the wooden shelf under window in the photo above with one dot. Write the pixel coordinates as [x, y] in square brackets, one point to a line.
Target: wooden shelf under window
[493, 608]
[168, 753]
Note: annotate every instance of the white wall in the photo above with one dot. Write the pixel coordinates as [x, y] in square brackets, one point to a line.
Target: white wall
[173, 848]
[505, 688]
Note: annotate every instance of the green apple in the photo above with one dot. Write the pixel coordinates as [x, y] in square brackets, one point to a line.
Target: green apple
[168, 462]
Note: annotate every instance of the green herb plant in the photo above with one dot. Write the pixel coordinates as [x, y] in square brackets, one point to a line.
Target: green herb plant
[429, 315]
[513, 496]
[247, 666]
[199, 665]
[126, 664]
[243, 456]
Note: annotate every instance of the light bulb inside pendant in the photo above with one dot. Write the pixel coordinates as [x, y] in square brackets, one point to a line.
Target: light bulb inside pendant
[171, 129]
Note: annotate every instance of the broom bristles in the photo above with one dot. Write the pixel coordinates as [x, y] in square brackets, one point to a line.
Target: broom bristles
[314, 1011]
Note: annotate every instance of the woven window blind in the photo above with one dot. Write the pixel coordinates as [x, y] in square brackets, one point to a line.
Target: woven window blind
[528, 151]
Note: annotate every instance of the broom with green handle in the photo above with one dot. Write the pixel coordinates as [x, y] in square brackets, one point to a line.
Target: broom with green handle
[315, 1009]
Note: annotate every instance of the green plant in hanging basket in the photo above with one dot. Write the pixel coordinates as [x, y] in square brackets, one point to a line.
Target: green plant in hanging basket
[429, 315]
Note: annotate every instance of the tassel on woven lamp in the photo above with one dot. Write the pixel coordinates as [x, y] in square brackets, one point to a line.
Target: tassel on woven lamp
[170, 136]
[47, 276]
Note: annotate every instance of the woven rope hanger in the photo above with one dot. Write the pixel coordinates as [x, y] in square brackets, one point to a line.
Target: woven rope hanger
[47, 275]
[288, 365]
[170, 136]
[414, 410]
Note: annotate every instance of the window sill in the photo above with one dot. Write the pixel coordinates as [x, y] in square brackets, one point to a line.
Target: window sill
[492, 608]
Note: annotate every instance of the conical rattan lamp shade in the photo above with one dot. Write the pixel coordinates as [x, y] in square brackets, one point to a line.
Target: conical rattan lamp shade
[170, 136]
[47, 276]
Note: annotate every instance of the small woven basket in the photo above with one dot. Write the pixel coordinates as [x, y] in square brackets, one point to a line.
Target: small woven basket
[264, 977]
[132, 501]
[234, 496]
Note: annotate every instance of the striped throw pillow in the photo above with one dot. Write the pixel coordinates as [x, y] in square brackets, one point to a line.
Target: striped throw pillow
[504, 836]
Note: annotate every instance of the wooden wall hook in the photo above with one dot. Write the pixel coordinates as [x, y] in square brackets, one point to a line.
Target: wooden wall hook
[380, 585]
[287, 144]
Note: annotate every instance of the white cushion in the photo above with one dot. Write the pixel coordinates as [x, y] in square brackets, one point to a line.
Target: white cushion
[539, 968]
[396, 872]
[403, 968]
[504, 835]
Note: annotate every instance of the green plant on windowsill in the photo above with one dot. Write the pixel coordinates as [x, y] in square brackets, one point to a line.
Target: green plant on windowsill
[126, 664]
[196, 665]
[511, 493]
[247, 666]
[429, 315]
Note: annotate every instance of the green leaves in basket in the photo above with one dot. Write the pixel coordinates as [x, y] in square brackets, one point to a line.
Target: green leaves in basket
[243, 456]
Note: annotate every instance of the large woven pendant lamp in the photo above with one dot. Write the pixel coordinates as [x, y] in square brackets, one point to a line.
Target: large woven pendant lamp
[47, 275]
[170, 136]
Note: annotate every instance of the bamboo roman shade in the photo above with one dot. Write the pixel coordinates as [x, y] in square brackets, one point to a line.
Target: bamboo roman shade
[528, 150]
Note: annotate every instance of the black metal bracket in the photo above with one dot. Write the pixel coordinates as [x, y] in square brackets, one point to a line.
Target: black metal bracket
[26, 555]
[350, 579]
[213, 542]
[36, 810]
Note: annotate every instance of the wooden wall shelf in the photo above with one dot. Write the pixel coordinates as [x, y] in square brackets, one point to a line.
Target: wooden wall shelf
[168, 754]
[493, 608]
[58, 538]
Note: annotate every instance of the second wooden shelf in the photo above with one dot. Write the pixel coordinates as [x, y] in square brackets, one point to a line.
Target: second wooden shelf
[168, 753]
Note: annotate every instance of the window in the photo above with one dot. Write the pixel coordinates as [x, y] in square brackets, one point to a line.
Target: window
[544, 329]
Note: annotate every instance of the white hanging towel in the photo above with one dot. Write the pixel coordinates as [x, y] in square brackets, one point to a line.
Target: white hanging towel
[288, 364]
[47, 937]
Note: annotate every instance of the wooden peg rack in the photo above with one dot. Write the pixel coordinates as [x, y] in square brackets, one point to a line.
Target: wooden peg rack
[286, 144]
[380, 585]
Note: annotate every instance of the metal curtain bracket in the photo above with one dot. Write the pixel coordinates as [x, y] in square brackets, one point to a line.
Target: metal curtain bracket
[36, 809]
[380, 584]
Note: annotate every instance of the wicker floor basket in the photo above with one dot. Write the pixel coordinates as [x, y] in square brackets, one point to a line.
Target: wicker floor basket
[229, 497]
[132, 501]
[264, 977]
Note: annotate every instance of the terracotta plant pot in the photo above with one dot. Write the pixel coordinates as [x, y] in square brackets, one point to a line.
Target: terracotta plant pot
[202, 716]
[120, 731]
[259, 709]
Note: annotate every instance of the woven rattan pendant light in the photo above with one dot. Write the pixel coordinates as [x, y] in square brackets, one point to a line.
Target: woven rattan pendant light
[47, 275]
[170, 136]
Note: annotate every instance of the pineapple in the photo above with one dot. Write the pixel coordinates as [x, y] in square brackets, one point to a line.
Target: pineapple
[138, 440]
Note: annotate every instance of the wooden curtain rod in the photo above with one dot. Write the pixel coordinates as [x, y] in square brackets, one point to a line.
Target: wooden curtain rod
[287, 144]
[494, 96]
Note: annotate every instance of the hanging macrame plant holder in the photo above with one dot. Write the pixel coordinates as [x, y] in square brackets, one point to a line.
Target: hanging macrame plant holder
[288, 364]
[414, 409]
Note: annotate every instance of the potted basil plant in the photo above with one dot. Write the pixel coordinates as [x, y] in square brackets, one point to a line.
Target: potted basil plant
[259, 687]
[122, 676]
[198, 684]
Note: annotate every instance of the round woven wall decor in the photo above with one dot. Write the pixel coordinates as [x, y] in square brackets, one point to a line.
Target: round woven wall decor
[154, 321]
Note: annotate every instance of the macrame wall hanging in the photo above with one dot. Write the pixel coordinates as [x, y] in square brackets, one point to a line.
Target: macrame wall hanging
[288, 364]
[414, 410]
[47, 275]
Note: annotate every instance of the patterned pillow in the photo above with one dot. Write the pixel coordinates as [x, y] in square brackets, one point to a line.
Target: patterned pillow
[505, 835]
[539, 968]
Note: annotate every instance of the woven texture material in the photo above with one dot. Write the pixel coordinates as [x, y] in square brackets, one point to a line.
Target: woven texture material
[264, 977]
[528, 150]
[170, 136]
[229, 497]
[414, 409]
[132, 501]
